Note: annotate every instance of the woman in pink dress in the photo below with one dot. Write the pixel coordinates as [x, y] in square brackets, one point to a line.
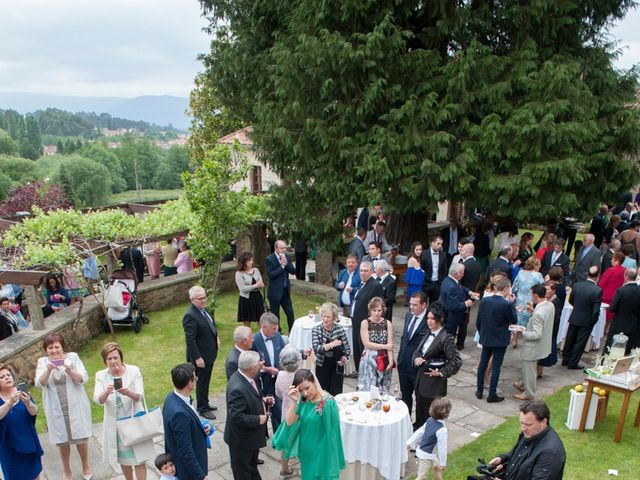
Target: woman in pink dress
[184, 262]
[610, 281]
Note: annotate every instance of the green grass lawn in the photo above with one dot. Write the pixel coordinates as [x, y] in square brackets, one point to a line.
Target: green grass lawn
[589, 455]
[130, 196]
[161, 345]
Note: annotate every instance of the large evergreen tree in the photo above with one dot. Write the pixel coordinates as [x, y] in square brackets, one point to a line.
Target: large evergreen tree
[510, 105]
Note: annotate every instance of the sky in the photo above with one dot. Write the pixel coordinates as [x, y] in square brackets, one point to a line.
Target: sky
[126, 48]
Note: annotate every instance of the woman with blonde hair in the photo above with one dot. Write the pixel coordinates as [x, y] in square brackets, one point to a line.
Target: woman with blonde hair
[376, 334]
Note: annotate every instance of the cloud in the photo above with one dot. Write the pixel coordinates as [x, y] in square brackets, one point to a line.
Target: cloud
[114, 48]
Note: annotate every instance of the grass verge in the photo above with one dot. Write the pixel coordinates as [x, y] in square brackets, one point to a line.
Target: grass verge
[161, 345]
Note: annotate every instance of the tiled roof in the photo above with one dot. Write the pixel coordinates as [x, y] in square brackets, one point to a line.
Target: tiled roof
[243, 136]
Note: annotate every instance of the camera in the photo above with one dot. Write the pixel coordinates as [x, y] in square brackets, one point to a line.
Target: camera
[486, 470]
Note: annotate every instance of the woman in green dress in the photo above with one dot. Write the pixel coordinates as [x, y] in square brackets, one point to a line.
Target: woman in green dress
[311, 431]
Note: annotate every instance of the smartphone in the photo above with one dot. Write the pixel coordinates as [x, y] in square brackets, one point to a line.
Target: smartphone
[58, 362]
[22, 387]
[117, 383]
[339, 368]
[303, 355]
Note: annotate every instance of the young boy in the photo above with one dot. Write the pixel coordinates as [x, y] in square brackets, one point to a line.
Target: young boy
[432, 436]
[164, 463]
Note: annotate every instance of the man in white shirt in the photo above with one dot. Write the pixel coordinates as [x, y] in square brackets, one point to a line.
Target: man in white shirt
[243, 339]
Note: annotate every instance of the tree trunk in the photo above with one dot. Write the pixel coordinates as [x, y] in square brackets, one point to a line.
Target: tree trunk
[405, 228]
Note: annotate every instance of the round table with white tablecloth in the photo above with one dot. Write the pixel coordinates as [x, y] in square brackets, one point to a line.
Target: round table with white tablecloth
[374, 442]
[596, 334]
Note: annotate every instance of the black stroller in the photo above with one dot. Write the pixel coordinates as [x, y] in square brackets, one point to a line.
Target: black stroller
[125, 283]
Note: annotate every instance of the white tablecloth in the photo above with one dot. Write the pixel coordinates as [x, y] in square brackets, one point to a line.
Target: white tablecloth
[300, 334]
[376, 438]
[596, 334]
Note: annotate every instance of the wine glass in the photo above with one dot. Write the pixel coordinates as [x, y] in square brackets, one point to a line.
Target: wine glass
[397, 394]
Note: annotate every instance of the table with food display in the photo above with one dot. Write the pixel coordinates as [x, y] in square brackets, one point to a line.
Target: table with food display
[375, 429]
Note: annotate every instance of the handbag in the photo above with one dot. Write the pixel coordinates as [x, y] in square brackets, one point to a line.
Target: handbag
[264, 301]
[112, 296]
[435, 363]
[382, 360]
[140, 427]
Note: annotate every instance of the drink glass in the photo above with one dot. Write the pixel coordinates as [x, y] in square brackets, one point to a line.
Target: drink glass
[397, 394]
[386, 407]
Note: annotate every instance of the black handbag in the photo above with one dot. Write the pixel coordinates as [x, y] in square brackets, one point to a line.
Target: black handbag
[435, 363]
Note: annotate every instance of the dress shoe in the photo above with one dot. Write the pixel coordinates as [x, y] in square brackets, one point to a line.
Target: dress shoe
[211, 408]
[565, 363]
[520, 396]
[579, 366]
[494, 399]
[207, 414]
[478, 395]
[518, 386]
[460, 347]
[260, 461]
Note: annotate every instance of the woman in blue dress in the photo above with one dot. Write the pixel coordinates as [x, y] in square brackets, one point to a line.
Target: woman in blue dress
[527, 278]
[414, 276]
[20, 450]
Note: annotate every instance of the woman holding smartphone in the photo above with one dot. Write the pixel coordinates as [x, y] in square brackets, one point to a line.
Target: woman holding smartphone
[332, 349]
[20, 450]
[119, 388]
[62, 377]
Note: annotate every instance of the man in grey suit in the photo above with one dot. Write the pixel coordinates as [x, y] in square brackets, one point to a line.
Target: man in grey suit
[587, 257]
[586, 298]
[357, 247]
[243, 339]
[537, 342]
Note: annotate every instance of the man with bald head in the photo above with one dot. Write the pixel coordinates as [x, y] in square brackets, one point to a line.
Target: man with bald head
[472, 268]
[279, 267]
[587, 257]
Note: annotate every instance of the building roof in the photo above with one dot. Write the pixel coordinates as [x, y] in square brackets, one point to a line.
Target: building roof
[243, 136]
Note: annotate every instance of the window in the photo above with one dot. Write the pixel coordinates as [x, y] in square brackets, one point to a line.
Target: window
[255, 180]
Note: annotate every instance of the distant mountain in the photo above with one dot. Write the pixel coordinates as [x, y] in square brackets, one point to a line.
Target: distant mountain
[161, 110]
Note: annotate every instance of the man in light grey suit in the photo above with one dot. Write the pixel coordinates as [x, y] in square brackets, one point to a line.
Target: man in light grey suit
[537, 342]
[587, 257]
[357, 247]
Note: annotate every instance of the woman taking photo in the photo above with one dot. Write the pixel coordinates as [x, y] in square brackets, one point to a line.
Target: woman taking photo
[332, 349]
[20, 450]
[119, 387]
[414, 276]
[56, 295]
[437, 359]
[311, 430]
[376, 335]
[62, 377]
[249, 282]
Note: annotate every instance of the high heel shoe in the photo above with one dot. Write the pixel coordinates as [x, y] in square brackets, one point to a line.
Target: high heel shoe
[87, 477]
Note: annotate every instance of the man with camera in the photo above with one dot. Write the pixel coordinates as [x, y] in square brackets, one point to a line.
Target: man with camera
[538, 454]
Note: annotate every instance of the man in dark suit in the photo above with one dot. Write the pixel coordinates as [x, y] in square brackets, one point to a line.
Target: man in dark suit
[472, 267]
[614, 246]
[586, 298]
[357, 247]
[243, 340]
[434, 264]
[388, 284]
[279, 267]
[268, 342]
[451, 235]
[369, 288]
[347, 284]
[185, 439]
[457, 300]
[626, 306]
[203, 343]
[599, 225]
[587, 257]
[414, 329]
[555, 257]
[246, 426]
[502, 263]
[495, 315]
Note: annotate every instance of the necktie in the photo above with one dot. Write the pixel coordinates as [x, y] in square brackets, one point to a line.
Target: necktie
[461, 261]
[379, 280]
[412, 324]
[255, 387]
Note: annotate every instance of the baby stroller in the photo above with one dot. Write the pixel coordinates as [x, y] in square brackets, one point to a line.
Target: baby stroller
[123, 308]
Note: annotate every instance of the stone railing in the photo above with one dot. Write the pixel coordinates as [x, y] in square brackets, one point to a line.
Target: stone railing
[23, 349]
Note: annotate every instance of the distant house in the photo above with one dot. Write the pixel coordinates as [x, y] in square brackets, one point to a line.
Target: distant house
[49, 150]
[260, 177]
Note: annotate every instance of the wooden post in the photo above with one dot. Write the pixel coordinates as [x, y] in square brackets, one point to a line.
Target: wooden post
[34, 301]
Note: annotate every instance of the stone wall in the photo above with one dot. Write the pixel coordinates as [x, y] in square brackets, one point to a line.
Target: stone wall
[77, 323]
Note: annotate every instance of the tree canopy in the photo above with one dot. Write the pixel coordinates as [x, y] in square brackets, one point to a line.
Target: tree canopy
[514, 106]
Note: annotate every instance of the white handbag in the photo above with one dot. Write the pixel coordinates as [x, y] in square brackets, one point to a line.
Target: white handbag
[142, 426]
[112, 296]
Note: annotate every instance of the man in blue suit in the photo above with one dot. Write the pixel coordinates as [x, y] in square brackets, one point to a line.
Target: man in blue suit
[456, 299]
[279, 267]
[347, 284]
[414, 329]
[268, 342]
[184, 437]
[495, 315]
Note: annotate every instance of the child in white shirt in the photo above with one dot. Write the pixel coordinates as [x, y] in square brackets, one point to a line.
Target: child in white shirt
[164, 463]
[430, 440]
